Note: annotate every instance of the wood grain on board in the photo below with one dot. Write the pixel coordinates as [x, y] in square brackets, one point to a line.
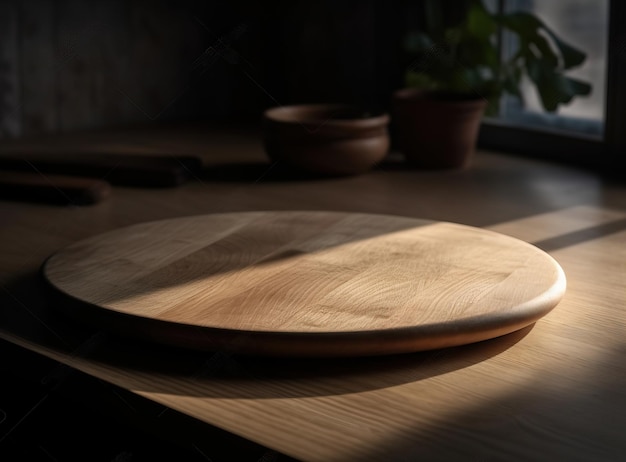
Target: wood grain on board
[311, 283]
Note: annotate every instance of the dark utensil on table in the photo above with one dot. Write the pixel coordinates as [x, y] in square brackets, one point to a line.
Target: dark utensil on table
[52, 189]
[118, 169]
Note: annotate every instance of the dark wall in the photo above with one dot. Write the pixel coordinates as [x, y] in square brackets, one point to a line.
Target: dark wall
[69, 65]
[339, 51]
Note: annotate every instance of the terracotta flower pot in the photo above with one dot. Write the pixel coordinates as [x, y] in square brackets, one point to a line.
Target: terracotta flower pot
[436, 130]
[325, 139]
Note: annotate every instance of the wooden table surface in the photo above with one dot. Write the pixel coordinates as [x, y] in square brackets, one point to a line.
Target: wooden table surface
[553, 391]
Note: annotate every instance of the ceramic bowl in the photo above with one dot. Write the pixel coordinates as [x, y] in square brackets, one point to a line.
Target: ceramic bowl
[325, 139]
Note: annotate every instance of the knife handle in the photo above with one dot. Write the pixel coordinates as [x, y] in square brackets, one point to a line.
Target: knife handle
[118, 169]
[52, 189]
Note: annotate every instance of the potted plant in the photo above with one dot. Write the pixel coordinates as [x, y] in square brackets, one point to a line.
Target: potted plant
[458, 73]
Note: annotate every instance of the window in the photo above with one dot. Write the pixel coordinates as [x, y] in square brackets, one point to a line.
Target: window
[587, 131]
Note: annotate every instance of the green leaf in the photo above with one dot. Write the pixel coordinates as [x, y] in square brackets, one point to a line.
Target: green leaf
[547, 54]
[553, 87]
[578, 87]
[480, 23]
[420, 80]
[572, 57]
[474, 52]
[453, 36]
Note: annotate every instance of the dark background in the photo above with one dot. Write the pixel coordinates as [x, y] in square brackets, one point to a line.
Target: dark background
[71, 65]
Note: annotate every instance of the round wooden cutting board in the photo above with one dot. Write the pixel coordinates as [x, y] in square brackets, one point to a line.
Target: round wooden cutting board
[306, 283]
